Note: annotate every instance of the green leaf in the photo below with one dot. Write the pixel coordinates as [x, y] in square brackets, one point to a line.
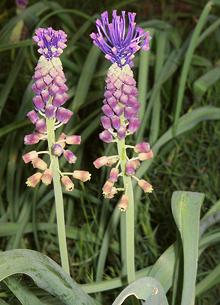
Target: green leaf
[163, 269]
[11, 79]
[45, 273]
[85, 78]
[186, 211]
[188, 59]
[23, 294]
[186, 123]
[147, 289]
[212, 279]
[207, 80]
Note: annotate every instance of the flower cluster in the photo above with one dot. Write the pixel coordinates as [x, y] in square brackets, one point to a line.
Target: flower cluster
[142, 152]
[21, 4]
[50, 94]
[118, 43]
[121, 103]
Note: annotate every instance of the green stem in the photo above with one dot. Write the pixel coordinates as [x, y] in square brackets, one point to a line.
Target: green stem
[58, 197]
[127, 220]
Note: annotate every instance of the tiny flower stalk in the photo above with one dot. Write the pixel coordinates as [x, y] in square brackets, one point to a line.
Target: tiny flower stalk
[50, 94]
[119, 42]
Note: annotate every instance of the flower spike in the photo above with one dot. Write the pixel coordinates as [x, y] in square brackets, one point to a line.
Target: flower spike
[49, 114]
[50, 95]
[121, 107]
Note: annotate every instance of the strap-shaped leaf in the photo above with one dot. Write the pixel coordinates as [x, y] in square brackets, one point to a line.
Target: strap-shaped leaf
[186, 211]
[147, 289]
[45, 273]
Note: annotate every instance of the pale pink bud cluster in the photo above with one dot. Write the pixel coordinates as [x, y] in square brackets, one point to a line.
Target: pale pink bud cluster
[67, 182]
[45, 175]
[58, 148]
[142, 151]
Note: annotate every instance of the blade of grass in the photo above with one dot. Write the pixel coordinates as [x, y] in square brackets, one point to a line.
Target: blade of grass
[111, 228]
[85, 78]
[211, 280]
[13, 74]
[186, 123]
[13, 127]
[161, 41]
[203, 83]
[187, 61]
[143, 77]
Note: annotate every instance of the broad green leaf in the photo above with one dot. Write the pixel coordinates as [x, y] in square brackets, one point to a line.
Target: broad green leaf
[186, 211]
[163, 269]
[45, 273]
[146, 289]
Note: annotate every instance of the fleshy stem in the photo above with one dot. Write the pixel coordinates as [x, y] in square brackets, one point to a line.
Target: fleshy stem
[127, 220]
[58, 197]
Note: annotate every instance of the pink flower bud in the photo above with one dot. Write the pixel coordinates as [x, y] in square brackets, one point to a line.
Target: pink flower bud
[67, 183]
[82, 175]
[63, 115]
[146, 156]
[47, 177]
[106, 136]
[113, 176]
[33, 116]
[57, 150]
[112, 160]
[100, 162]
[30, 156]
[108, 161]
[123, 203]
[142, 147]
[75, 140]
[32, 138]
[39, 163]
[146, 187]
[41, 125]
[69, 156]
[109, 190]
[131, 166]
[33, 180]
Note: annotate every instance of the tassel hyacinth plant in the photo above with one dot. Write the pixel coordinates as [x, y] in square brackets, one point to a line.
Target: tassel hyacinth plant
[119, 42]
[50, 94]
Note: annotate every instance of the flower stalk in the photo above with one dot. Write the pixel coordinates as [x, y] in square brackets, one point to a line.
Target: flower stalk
[59, 205]
[127, 219]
